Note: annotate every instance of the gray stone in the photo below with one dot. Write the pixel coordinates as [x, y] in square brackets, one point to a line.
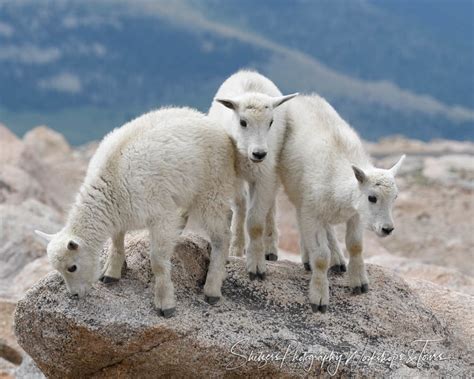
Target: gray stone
[116, 332]
[21, 246]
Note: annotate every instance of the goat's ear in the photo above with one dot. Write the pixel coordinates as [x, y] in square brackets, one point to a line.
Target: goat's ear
[72, 245]
[397, 165]
[229, 103]
[45, 236]
[359, 174]
[277, 101]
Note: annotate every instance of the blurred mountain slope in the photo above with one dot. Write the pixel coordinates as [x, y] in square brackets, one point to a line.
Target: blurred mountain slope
[86, 67]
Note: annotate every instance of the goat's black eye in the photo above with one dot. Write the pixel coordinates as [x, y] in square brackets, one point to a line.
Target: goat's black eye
[72, 268]
[243, 123]
[372, 199]
[271, 123]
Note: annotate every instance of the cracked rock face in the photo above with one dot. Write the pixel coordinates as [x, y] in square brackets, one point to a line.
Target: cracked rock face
[115, 331]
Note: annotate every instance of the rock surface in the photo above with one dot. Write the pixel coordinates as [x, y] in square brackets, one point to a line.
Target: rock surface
[41, 166]
[412, 269]
[10, 353]
[452, 308]
[115, 332]
[20, 246]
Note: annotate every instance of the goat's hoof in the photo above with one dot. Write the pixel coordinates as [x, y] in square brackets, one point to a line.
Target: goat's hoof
[357, 290]
[261, 275]
[364, 288]
[336, 269]
[307, 266]
[167, 313]
[108, 279]
[319, 308]
[252, 276]
[212, 299]
[271, 257]
[339, 269]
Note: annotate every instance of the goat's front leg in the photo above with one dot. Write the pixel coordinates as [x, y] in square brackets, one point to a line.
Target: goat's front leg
[338, 262]
[115, 260]
[315, 241]
[271, 235]
[239, 211]
[163, 239]
[358, 280]
[261, 201]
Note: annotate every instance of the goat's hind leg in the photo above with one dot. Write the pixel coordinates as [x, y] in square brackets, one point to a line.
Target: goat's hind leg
[115, 260]
[163, 238]
[216, 226]
[315, 241]
[338, 263]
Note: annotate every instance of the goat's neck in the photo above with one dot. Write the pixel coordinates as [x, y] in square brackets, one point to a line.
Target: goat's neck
[90, 220]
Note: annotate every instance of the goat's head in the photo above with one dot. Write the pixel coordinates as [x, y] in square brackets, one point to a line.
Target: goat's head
[253, 121]
[77, 263]
[378, 192]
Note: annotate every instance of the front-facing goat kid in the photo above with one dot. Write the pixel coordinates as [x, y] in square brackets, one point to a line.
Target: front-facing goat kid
[144, 175]
[329, 178]
[250, 107]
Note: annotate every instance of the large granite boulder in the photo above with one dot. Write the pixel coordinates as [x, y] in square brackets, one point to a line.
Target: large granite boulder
[259, 328]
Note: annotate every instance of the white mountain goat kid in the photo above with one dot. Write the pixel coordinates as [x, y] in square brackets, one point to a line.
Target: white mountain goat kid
[144, 175]
[329, 178]
[248, 105]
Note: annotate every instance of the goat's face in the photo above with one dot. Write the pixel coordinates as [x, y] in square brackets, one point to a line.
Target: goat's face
[253, 121]
[378, 192]
[79, 266]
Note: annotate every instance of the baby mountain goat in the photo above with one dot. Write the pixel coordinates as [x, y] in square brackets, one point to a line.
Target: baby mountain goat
[248, 105]
[144, 175]
[330, 180]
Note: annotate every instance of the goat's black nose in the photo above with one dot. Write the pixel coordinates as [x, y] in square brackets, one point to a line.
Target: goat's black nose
[74, 296]
[259, 154]
[387, 231]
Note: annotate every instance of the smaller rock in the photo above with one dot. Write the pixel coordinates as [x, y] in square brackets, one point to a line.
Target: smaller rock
[9, 353]
[412, 269]
[7, 369]
[451, 169]
[28, 370]
[22, 246]
[47, 144]
[16, 185]
[11, 146]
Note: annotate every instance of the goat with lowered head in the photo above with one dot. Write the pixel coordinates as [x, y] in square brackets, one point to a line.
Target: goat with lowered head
[145, 175]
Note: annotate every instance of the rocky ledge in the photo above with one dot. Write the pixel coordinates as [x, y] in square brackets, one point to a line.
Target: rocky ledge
[258, 329]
